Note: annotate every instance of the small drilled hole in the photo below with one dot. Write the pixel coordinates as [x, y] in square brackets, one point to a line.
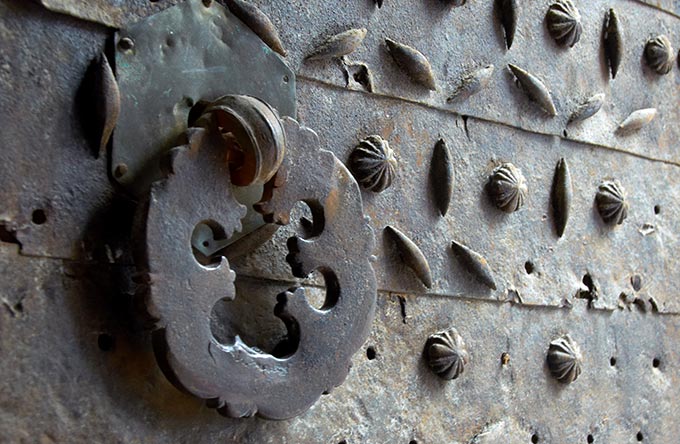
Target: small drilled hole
[126, 44]
[105, 342]
[371, 353]
[640, 437]
[657, 209]
[656, 362]
[207, 3]
[612, 361]
[565, 134]
[529, 267]
[413, 441]
[39, 217]
[534, 438]
[120, 170]
[344, 441]
[590, 439]
[286, 79]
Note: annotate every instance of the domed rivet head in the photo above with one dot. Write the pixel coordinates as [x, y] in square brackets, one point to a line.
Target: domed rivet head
[446, 354]
[611, 202]
[564, 359]
[373, 164]
[507, 188]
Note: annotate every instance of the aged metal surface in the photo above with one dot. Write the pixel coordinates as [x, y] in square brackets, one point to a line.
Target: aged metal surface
[83, 389]
[113, 13]
[43, 59]
[459, 39]
[179, 57]
[241, 380]
[508, 242]
[77, 365]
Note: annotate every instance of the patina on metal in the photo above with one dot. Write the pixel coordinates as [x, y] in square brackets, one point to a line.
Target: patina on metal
[167, 66]
[237, 378]
[174, 60]
[78, 366]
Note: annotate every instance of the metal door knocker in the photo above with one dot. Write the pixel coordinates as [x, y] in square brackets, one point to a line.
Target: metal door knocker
[188, 150]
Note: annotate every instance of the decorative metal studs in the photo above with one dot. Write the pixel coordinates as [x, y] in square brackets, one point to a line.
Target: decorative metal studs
[109, 105]
[258, 22]
[562, 193]
[564, 359]
[507, 188]
[637, 120]
[338, 45]
[587, 109]
[506, 11]
[411, 255]
[413, 63]
[564, 23]
[535, 89]
[472, 83]
[474, 264]
[373, 164]
[613, 42]
[442, 176]
[659, 54]
[446, 354]
[611, 202]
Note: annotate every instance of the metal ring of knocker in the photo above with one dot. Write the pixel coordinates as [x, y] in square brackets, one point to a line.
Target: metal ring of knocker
[241, 140]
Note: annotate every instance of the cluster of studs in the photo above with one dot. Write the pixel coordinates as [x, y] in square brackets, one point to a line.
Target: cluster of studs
[447, 356]
[563, 22]
[374, 165]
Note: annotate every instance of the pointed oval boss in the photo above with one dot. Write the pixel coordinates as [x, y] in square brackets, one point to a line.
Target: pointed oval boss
[413, 63]
[562, 194]
[339, 45]
[411, 255]
[258, 22]
[475, 264]
[506, 11]
[534, 89]
[442, 176]
[587, 109]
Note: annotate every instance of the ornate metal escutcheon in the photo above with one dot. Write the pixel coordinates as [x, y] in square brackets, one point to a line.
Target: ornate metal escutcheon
[233, 148]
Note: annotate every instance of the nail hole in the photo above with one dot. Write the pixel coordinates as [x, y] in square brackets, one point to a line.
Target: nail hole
[126, 44]
[344, 441]
[413, 441]
[612, 361]
[371, 353]
[640, 437]
[170, 41]
[636, 282]
[19, 307]
[105, 342]
[590, 439]
[529, 267]
[534, 438]
[120, 171]
[39, 217]
[657, 209]
[656, 362]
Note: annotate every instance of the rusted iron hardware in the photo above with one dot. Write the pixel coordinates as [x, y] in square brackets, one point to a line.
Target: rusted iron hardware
[216, 174]
[240, 140]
